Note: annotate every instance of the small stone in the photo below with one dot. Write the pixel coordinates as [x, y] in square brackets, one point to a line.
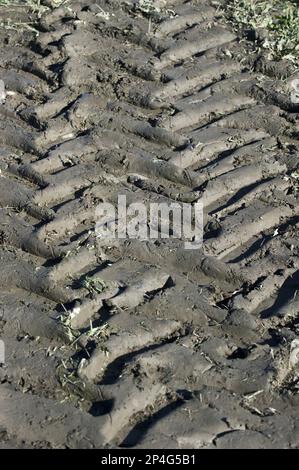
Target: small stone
[294, 354]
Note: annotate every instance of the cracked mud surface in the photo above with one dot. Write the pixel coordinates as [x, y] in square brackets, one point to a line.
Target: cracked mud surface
[174, 348]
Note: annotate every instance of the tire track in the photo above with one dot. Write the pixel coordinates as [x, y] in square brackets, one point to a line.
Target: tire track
[152, 103]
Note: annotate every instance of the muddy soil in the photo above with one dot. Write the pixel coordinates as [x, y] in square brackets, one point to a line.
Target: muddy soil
[131, 343]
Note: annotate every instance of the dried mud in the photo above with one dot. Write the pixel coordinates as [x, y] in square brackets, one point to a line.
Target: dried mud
[180, 348]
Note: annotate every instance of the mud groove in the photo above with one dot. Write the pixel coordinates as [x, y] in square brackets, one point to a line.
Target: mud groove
[120, 344]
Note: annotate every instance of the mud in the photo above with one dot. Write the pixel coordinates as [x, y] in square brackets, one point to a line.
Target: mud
[145, 344]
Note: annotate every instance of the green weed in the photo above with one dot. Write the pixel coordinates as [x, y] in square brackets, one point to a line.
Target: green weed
[278, 18]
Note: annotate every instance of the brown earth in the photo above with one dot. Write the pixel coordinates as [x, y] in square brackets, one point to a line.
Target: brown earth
[131, 343]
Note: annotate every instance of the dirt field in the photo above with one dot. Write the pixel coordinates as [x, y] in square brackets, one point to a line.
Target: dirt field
[143, 343]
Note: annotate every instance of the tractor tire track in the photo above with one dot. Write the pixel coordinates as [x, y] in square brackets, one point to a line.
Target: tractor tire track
[120, 343]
